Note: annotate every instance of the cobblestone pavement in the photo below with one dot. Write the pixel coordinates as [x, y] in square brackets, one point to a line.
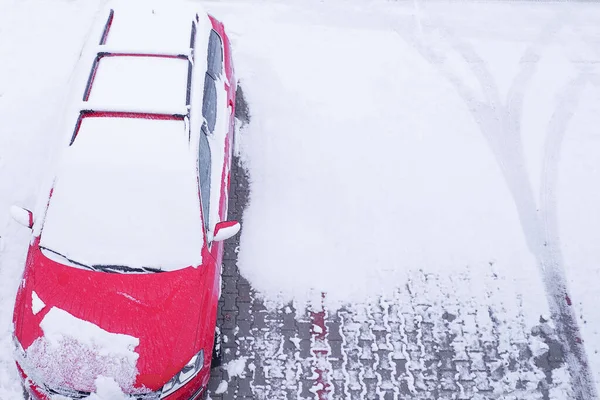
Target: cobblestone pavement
[411, 346]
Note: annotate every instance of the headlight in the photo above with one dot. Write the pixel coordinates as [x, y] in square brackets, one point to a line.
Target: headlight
[191, 369]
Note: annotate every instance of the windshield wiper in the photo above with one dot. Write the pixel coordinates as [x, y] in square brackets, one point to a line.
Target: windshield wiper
[90, 267]
[123, 269]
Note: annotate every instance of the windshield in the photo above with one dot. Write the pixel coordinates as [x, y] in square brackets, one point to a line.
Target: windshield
[126, 197]
[61, 258]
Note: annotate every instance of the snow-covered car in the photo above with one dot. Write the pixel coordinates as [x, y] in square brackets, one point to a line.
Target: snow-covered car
[122, 276]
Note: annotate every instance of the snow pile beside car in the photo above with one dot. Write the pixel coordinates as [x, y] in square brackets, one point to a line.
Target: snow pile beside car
[363, 165]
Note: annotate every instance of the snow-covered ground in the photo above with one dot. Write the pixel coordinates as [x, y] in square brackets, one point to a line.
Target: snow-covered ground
[399, 154]
[455, 139]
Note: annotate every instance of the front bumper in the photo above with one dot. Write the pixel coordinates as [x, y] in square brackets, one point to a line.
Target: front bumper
[193, 390]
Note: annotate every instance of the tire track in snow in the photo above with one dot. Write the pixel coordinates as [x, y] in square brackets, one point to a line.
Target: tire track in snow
[567, 104]
[512, 353]
[500, 123]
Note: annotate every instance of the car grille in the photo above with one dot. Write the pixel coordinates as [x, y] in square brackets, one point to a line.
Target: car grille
[70, 393]
[77, 394]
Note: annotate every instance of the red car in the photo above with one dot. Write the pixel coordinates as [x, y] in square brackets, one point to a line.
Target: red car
[122, 276]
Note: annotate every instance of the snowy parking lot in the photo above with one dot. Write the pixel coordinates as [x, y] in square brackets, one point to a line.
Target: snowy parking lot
[418, 191]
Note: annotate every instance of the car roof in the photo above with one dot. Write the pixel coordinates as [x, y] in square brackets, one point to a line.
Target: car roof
[165, 26]
[145, 58]
[126, 193]
[149, 84]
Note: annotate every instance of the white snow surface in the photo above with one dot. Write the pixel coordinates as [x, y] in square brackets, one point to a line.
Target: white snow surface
[114, 193]
[222, 388]
[158, 24]
[357, 177]
[369, 150]
[458, 139]
[236, 367]
[107, 389]
[142, 82]
[37, 304]
[99, 353]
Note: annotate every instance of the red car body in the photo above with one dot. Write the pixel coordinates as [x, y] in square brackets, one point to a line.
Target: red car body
[172, 313]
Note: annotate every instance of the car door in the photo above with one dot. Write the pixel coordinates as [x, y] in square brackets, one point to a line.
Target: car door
[214, 133]
[213, 157]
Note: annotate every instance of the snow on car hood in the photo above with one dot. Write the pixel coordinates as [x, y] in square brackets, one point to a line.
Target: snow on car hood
[139, 329]
[99, 352]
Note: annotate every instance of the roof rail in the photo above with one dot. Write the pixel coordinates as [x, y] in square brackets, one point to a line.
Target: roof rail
[151, 52]
[87, 106]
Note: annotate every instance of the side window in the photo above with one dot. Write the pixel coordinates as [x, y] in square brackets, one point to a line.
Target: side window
[209, 112]
[213, 71]
[204, 161]
[209, 104]
[215, 55]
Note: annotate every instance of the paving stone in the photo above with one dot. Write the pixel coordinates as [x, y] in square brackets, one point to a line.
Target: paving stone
[228, 304]
[244, 292]
[244, 313]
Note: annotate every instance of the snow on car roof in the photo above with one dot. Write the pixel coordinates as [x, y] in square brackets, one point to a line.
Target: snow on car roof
[152, 25]
[126, 194]
[151, 83]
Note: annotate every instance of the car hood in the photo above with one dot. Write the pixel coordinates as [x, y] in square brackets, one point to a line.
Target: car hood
[75, 324]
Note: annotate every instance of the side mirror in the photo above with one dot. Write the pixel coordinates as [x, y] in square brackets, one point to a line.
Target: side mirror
[22, 216]
[226, 230]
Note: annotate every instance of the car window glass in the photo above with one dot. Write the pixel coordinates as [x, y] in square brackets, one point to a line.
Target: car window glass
[204, 160]
[215, 55]
[209, 104]
[209, 112]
